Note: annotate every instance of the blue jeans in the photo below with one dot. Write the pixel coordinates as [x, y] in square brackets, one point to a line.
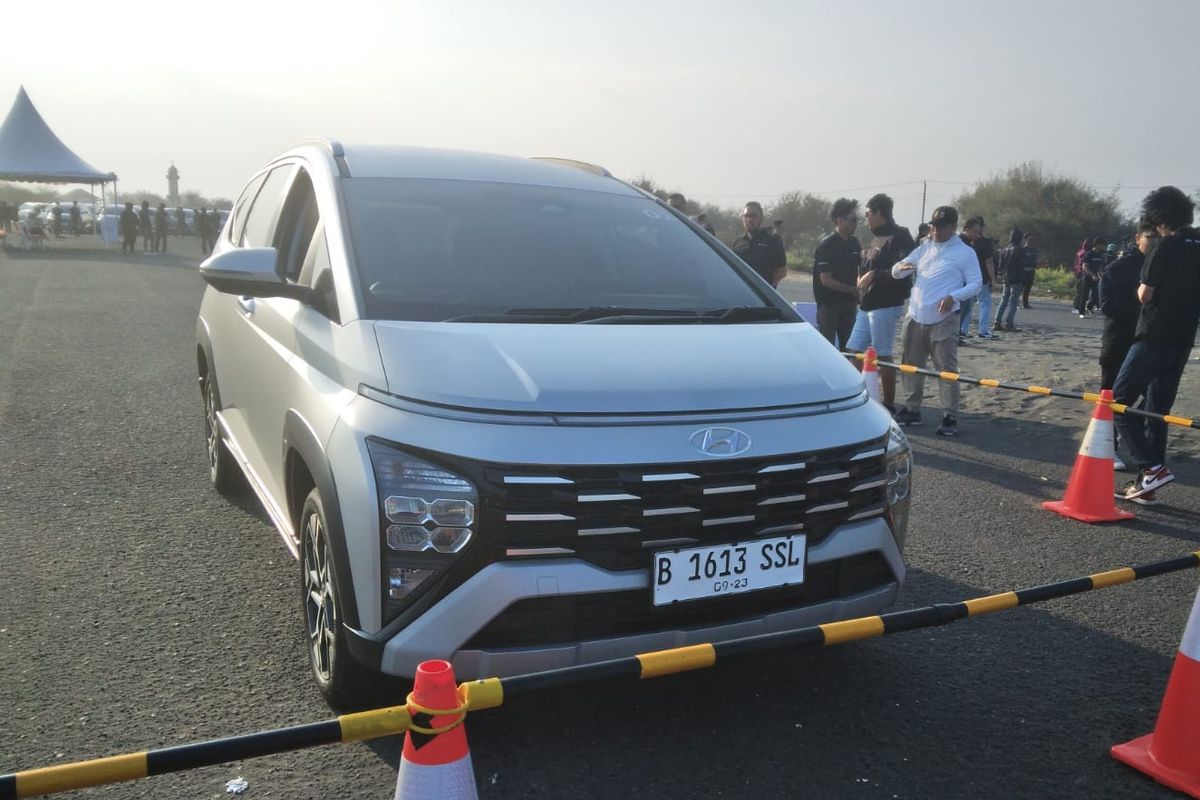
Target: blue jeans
[1151, 371]
[964, 313]
[877, 328]
[1010, 301]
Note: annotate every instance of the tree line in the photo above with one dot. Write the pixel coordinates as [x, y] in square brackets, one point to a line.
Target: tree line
[1061, 209]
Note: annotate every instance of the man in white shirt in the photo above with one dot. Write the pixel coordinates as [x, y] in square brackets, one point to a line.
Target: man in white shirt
[947, 273]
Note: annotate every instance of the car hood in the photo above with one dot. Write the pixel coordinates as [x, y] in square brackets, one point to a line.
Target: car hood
[613, 369]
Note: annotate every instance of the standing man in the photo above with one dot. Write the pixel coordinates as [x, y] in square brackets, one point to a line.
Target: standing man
[128, 225]
[202, 229]
[1011, 268]
[972, 236]
[678, 202]
[762, 251]
[947, 273]
[1091, 267]
[835, 274]
[1121, 309]
[882, 296]
[76, 218]
[1165, 335]
[1030, 266]
[702, 221]
[160, 228]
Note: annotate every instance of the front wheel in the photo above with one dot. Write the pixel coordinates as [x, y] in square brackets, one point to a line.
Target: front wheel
[343, 682]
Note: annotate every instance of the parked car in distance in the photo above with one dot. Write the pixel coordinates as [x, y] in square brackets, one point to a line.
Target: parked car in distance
[521, 415]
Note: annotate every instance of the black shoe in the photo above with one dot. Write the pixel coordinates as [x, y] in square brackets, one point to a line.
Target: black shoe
[949, 426]
[906, 417]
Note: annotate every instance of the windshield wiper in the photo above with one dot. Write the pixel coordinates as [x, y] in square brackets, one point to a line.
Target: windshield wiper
[572, 315]
[633, 316]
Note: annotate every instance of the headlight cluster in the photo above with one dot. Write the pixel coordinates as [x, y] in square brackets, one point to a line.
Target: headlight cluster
[899, 481]
[427, 518]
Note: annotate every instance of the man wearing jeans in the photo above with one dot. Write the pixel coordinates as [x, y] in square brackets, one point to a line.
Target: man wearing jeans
[1012, 267]
[972, 235]
[947, 273]
[883, 296]
[1166, 332]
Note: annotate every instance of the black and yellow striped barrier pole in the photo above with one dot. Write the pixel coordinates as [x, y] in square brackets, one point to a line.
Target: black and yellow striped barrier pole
[1046, 391]
[492, 692]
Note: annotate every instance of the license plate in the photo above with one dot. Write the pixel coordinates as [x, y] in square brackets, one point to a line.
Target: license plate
[724, 569]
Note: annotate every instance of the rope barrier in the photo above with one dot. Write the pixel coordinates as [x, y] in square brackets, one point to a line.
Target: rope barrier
[492, 692]
[1046, 391]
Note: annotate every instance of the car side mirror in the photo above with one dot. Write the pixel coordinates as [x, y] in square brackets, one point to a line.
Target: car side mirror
[250, 271]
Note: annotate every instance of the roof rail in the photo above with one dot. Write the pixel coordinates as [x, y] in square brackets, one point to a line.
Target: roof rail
[570, 162]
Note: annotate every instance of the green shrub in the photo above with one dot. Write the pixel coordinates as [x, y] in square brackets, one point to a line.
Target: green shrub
[1056, 282]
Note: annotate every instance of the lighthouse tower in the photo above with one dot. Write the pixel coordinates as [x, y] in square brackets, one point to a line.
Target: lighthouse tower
[173, 186]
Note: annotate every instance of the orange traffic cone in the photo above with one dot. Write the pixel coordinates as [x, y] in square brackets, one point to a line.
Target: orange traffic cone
[1089, 496]
[435, 763]
[871, 373]
[1171, 755]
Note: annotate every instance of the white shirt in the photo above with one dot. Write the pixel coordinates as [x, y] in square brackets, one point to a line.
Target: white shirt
[943, 268]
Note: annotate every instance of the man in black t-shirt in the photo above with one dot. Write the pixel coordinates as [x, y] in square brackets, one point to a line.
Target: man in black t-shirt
[972, 235]
[835, 274]
[763, 251]
[1166, 333]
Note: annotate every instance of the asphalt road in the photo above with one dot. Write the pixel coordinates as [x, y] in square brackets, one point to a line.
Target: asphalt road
[139, 610]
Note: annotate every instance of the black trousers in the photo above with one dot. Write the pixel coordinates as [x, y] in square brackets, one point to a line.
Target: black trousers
[835, 321]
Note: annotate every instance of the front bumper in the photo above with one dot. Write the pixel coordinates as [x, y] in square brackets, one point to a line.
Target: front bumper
[447, 629]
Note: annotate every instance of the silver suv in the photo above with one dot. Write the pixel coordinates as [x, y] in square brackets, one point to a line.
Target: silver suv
[520, 415]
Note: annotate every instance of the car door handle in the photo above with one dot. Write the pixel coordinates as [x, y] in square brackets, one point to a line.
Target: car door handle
[247, 304]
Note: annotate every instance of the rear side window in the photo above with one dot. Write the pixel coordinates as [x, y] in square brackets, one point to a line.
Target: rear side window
[259, 226]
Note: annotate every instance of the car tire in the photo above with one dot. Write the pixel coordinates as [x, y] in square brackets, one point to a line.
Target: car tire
[223, 471]
[345, 684]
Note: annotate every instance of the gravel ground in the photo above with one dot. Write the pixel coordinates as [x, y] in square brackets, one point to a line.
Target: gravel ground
[140, 610]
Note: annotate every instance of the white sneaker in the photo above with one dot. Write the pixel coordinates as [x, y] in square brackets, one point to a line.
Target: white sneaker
[1118, 464]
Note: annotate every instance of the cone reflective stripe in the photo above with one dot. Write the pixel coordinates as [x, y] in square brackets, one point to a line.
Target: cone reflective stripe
[1089, 495]
[871, 374]
[1171, 754]
[435, 766]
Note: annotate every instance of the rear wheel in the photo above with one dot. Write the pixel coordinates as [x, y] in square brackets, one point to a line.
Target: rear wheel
[345, 683]
[223, 471]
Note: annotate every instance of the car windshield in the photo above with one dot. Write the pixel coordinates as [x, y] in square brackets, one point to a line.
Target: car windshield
[499, 252]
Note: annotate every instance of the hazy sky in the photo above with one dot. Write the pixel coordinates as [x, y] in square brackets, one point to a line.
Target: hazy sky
[727, 105]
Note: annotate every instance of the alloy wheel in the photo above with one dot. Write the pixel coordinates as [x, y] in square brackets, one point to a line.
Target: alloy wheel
[319, 604]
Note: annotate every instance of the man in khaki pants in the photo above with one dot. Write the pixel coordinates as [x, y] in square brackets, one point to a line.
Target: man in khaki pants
[947, 273]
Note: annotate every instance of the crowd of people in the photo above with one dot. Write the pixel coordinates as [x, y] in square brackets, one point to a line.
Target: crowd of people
[153, 227]
[927, 290]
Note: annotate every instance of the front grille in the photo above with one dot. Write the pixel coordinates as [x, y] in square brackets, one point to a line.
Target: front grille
[562, 619]
[615, 516]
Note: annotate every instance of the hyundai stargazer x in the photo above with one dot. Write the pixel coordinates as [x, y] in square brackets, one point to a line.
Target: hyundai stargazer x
[519, 414]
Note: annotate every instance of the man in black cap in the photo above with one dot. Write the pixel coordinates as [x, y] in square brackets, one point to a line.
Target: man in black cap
[835, 274]
[763, 251]
[946, 273]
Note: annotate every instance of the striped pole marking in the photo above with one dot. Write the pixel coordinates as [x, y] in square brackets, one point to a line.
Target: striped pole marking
[1090, 397]
[492, 692]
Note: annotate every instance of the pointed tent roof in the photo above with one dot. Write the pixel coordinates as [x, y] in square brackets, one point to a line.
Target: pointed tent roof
[29, 150]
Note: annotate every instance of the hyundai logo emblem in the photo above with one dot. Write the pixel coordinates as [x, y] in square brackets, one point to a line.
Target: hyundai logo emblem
[720, 441]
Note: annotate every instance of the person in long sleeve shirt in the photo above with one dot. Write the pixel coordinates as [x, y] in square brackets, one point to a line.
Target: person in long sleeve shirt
[946, 274]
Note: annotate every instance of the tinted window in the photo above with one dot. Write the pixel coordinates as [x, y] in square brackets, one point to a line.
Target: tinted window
[434, 250]
[260, 221]
[297, 222]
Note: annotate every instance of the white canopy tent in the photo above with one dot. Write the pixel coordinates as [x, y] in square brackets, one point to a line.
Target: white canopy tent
[31, 152]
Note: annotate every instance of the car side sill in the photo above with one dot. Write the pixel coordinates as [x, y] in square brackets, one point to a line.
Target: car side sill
[278, 518]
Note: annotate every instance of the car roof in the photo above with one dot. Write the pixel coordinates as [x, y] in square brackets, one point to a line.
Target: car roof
[379, 161]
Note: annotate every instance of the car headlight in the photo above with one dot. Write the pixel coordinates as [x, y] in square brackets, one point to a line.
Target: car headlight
[427, 518]
[898, 490]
